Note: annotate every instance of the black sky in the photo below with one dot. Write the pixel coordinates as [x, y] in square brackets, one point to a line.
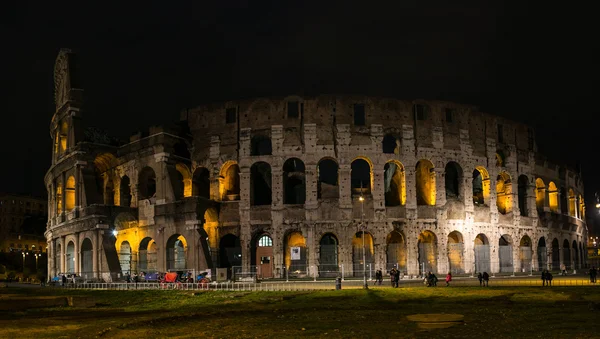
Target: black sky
[142, 64]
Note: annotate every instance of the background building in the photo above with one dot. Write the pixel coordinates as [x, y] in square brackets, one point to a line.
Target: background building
[323, 186]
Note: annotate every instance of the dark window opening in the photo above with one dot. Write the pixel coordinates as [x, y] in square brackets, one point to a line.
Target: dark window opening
[261, 145]
[500, 133]
[389, 144]
[359, 114]
[230, 115]
[420, 112]
[293, 109]
[449, 115]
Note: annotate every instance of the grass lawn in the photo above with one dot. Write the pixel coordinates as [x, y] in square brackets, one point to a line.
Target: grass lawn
[562, 312]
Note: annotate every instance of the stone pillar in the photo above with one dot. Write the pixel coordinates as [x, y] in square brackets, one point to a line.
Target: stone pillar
[96, 238]
[440, 186]
[344, 176]
[466, 190]
[312, 248]
[78, 186]
[63, 254]
[516, 256]
[64, 194]
[276, 187]
[77, 254]
[443, 266]
[50, 255]
[311, 179]
[377, 190]
[412, 254]
[494, 240]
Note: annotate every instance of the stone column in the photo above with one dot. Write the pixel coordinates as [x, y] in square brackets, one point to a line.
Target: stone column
[276, 187]
[64, 194]
[466, 190]
[442, 256]
[77, 254]
[311, 186]
[516, 256]
[63, 254]
[311, 245]
[96, 253]
[78, 186]
[50, 255]
[344, 176]
[412, 255]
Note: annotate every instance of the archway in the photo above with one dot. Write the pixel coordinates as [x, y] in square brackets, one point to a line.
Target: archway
[327, 187]
[453, 178]
[481, 186]
[263, 256]
[394, 184]
[147, 183]
[482, 253]
[260, 184]
[553, 197]
[70, 259]
[230, 185]
[396, 251]
[425, 180]
[572, 203]
[455, 252]
[147, 255]
[58, 197]
[125, 257]
[230, 253]
[581, 207]
[504, 193]
[360, 177]
[328, 256]
[525, 254]
[523, 188]
[294, 185]
[70, 194]
[125, 192]
[360, 266]
[176, 251]
[427, 252]
[540, 194]
[505, 254]
[542, 255]
[109, 191]
[295, 255]
[201, 183]
[87, 268]
[567, 254]
[57, 259]
[555, 255]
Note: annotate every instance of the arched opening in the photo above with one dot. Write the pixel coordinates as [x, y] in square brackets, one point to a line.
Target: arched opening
[201, 183]
[455, 252]
[58, 197]
[523, 188]
[263, 256]
[575, 256]
[395, 184]
[390, 144]
[125, 192]
[482, 254]
[147, 255]
[294, 185]
[452, 179]
[230, 253]
[499, 158]
[328, 256]
[125, 257]
[87, 268]
[261, 145]
[147, 183]
[581, 209]
[582, 255]
[360, 177]
[505, 254]
[555, 255]
[567, 254]
[70, 259]
[63, 133]
[525, 254]
[396, 251]
[328, 179]
[504, 193]
[230, 182]
[428, 251]
[481, 186]
[542, 255]
[260, 184]
[425, 179]
[70, 194]
[184, 184]
[295, 255]
[571, 202]
[176, 251]
[58, 258]
[553, 197]
[540, 194]
[362, 256]
[109, 192]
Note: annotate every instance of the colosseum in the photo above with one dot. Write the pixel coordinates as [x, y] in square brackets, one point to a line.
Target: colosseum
[308, 186]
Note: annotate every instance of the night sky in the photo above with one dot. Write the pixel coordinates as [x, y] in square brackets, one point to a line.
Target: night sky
[141, 65]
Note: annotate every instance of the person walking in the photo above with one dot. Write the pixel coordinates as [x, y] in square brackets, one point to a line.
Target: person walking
[544, 277]
[378, 277]
[393, 277]
[397, 278]
[448, 279]
[549, 278]
[486, 279]
[480, 277]
[593, 273]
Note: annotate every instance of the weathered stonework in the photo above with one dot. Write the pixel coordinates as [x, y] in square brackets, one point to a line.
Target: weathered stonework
[437, 186]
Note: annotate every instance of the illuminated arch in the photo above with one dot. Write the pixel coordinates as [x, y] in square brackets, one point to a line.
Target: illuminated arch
[58, 194]
[504, 193]
[359, 266]
[481, 186]
[427, 245]
[176, 252]
[553, 197]
[187, 178]
[540, 193]
[572, 203]
[581, 206]
[70, 194]
[229, 187]
[425, 181]
[394, 183]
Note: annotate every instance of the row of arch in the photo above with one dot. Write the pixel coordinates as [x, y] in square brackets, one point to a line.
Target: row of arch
[548, 196]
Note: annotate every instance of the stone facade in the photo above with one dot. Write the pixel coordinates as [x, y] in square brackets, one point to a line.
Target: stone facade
[310, 186]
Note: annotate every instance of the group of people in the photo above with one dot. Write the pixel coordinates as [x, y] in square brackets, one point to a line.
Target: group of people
[484, 279]
[593, 273]
[546, 278]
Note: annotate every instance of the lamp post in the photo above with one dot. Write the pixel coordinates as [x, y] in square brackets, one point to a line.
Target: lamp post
[24, 254]
[362, 214]
[36, 261]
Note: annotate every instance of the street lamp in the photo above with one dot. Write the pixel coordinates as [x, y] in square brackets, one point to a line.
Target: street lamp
[24, 254]
[36, 261]
[362, 214]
